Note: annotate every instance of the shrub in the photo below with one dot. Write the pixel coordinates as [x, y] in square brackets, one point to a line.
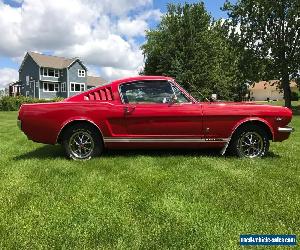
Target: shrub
[11, 103]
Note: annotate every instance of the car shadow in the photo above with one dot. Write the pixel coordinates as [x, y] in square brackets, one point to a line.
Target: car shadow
[44, 152]
[56, 151]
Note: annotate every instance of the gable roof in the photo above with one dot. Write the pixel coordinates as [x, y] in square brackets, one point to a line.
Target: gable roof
[95, 81]
[47, 61]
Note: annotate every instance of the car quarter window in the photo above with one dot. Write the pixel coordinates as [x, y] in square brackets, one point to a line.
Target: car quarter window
[150, 92]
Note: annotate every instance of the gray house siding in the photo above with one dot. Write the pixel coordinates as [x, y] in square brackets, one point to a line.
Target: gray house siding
[73, 77]
[62, 79]
[31, 70]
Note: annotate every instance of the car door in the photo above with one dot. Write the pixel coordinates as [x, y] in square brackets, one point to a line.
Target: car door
[149, 111]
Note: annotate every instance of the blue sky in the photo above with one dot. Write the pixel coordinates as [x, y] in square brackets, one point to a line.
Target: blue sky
[107, 37]
[213, 6]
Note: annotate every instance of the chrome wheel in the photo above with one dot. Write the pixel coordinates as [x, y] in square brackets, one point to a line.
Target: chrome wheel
[251, 144]
[81, 145]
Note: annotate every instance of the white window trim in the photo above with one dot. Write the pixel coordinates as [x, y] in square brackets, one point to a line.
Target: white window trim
[27, 93]
[81, 73]
[47, 70]
[27, 80]
[31, 83]
[63, 87]
[55, 85]
[77, 83]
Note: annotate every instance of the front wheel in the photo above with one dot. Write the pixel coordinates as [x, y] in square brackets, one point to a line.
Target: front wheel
[81, 142]
[250, 142]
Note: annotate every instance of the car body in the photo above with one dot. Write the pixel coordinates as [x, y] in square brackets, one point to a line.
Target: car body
[152, 112]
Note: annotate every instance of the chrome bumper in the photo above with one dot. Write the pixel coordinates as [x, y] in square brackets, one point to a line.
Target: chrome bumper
[19, 123]
[286, 129]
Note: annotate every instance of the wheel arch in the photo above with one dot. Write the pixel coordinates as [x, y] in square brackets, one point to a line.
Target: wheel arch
[75, 121]
[253, 121]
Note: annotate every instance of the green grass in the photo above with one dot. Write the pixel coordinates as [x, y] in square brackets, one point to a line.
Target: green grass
[143, 199]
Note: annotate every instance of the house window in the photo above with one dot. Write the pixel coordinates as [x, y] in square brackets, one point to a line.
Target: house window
[27, 80]
[81, 73]
[63, 87]
[48, 72]
[31, 84]
[77, 87]
[50, 87]
[27, 93]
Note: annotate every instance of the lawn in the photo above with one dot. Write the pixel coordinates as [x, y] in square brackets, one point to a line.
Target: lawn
[143, 199]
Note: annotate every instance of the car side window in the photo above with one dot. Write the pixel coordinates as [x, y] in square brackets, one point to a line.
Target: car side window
[147, 92]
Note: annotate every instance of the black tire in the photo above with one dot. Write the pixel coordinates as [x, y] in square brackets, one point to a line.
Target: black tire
[82, 142]
[242, 146]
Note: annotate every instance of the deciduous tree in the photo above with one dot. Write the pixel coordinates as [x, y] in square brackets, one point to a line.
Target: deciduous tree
[190, 46]
[267, 33]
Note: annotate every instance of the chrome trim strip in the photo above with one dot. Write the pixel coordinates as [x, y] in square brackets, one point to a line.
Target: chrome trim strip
[77, 119]
[222, 152]
[286, 129]
[122, 139]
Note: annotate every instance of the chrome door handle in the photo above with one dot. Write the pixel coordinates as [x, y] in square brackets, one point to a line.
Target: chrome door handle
[129, 109]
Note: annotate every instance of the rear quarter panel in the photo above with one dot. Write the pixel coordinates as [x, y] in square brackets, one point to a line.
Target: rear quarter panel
[43, 122]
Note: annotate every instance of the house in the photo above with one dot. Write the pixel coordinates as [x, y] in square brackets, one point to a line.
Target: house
[14, 88]
[44, 76]
[268, 90]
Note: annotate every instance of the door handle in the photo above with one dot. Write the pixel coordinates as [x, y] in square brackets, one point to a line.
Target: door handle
[129, 109]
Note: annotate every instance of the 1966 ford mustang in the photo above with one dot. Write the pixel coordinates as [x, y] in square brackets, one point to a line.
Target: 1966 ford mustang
[152, 112]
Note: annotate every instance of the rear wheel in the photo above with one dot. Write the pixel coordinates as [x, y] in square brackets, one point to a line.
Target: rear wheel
[81, 142]
[250, 142]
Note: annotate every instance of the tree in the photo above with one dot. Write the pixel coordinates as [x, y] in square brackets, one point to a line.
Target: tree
[267, 32]
[193, 48]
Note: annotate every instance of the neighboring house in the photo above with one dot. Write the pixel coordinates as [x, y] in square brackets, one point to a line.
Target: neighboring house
[14, 88]
[43, 76]
[94, 81]
[268, 90]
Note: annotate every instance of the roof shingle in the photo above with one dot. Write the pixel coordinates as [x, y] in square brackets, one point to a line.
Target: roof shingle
[95, 81]
[51, 61]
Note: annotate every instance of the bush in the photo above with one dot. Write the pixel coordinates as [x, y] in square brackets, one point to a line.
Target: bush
[11, 103]
[295, 96]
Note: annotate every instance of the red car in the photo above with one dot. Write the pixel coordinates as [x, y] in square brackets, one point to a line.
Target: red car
[152, 112]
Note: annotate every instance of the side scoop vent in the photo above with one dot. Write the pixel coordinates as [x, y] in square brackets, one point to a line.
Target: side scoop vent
[104, 94]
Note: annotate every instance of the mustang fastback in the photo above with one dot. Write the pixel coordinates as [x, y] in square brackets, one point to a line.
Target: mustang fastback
[153, 112]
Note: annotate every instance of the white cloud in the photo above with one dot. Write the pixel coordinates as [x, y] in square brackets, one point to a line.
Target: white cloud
[110, 52]
[102, 33]
[132, 28]
[7, 75]
[114, 73]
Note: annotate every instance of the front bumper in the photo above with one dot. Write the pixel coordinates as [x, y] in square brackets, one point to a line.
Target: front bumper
[286, 129]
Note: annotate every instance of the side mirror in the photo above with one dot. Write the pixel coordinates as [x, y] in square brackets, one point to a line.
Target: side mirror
[213, 97]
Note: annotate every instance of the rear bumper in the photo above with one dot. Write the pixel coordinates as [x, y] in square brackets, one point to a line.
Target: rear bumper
[286, 129]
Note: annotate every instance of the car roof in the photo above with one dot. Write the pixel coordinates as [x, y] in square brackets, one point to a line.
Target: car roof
[140, 78]
[120, 81]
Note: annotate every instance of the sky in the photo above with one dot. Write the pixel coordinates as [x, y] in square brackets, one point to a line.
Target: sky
[105, 34]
